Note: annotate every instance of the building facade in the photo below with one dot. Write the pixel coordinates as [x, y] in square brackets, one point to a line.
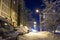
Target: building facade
[9, 10]
[5, 9]
[22, 13]
[22, 17]
[14, 11]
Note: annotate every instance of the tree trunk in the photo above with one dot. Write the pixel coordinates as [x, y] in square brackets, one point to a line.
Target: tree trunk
[54, 28]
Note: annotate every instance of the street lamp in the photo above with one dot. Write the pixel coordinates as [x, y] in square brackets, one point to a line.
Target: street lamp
[38, 11]
[34, 22]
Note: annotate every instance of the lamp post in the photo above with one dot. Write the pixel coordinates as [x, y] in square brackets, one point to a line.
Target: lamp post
[38, 11]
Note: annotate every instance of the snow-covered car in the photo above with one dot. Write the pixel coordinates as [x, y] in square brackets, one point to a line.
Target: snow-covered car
[22, 30]
[7, 31]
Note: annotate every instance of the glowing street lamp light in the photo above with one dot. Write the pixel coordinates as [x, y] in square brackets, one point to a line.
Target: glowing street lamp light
[34, 22]
[34, 25]
[37, 11]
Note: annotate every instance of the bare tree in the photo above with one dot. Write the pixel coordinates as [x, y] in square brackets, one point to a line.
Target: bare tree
[51, 21]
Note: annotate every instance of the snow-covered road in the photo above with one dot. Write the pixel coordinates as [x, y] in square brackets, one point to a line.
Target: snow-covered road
[39, 36]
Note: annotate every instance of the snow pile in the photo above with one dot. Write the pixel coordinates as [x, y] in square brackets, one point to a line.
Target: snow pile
[41, 35]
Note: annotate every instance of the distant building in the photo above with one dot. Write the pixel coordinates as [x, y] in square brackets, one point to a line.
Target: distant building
[22, 13]
[31, 20]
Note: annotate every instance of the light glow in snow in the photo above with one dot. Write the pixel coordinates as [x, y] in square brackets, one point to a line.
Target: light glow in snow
[33, 30]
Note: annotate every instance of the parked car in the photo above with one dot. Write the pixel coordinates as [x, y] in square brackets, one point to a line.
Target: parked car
[23, 30]
[7, 30]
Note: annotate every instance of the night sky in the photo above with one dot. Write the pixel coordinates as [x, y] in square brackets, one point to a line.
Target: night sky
[34, 4]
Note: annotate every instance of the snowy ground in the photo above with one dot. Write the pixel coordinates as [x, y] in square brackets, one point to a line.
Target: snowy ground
[39, 36]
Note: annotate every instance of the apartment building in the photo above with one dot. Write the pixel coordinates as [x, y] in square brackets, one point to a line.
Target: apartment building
[9, 10]
[5, 9]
